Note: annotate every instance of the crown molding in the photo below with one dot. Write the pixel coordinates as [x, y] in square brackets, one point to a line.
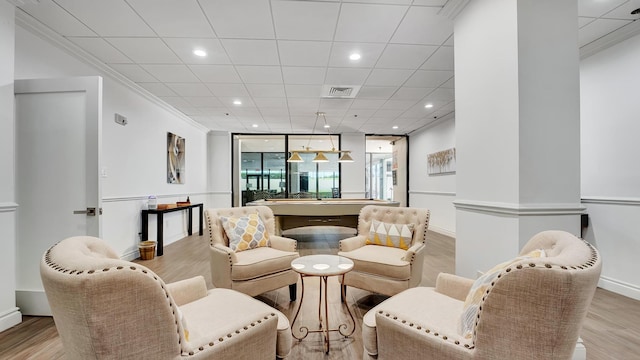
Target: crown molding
[628, 31]
[29, 23]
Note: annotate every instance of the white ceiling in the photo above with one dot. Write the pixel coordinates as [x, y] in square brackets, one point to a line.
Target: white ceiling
[275, 56]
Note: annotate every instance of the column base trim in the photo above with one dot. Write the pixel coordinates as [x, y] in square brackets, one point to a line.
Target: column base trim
[519, 209]
[33, 302]
[10, 318]
[619, 287]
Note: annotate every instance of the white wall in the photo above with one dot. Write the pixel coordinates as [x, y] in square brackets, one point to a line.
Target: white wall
[609, 161]
[133, 156]
[438, 192]
[9, 313]
[219, 169]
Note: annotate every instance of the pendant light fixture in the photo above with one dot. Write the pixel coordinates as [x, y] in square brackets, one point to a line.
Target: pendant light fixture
[320, 154]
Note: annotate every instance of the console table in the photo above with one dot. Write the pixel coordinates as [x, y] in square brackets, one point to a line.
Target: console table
[160, 219]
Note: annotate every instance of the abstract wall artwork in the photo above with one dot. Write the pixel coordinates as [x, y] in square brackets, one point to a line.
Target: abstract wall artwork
[442, 162]
[175, 159]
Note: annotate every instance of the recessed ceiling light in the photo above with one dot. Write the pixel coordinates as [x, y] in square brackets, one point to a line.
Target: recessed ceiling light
[395, 127]
[254, 125]
[428, 106]
[355, 56]
[199, 52]
[326, 126]
[237, 102]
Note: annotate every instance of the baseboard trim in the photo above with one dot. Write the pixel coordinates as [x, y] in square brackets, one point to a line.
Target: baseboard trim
[442, 231]
[519, 209]
[33, 302]
[10, 318]
[620, 287]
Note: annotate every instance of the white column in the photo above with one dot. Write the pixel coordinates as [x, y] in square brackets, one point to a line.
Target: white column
[219, 183]
[9, 313]
[517, 126]
[352, 175]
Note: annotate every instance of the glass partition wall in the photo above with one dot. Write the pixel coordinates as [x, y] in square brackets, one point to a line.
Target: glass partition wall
[264, 172]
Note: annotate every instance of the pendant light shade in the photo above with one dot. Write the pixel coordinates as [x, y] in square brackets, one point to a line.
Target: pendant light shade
[345, 158]
[295, 157]
[320, 158]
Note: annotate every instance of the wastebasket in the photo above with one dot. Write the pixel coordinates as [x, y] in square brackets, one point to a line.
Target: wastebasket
[147, 250]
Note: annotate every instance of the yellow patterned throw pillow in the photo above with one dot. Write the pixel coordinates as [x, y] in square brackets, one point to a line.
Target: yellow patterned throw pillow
[479, 288]
[246, 232]
[393, 235]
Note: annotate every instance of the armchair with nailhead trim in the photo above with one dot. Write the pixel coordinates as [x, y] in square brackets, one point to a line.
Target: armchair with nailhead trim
[108, 308]
[254, 271]
[531, 308]
[386, 270]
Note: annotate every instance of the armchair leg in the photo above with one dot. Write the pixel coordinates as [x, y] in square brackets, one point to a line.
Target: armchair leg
[293, 291]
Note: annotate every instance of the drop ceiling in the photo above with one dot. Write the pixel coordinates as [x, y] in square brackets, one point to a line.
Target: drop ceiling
[275, 56]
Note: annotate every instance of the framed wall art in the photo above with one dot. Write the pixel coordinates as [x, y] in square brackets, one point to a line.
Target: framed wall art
[442, 162]
[175, 159]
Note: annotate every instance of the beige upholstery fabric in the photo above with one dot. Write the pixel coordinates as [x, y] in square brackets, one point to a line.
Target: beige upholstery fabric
[254, 271]
[107, 308]
[534, 310]
[382, 269]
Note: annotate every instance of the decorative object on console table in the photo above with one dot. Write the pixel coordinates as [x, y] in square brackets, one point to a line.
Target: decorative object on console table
[184, 203]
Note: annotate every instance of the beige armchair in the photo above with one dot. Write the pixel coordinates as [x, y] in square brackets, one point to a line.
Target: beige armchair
[107, 308]
[254, 271]
[528, 308]
[386, 270]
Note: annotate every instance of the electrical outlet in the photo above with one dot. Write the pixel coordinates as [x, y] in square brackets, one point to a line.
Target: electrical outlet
[119, 119]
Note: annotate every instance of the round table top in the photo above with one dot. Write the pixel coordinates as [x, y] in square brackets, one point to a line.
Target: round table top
[322, 265]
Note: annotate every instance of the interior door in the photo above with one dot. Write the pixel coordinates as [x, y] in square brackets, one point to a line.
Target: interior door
[58, 140]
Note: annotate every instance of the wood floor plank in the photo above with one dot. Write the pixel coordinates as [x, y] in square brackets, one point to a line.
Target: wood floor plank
[611, 329]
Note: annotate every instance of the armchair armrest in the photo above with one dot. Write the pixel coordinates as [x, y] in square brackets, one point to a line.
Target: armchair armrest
[283, 243]
[413, 252]
[222, 258]
[352, 243]
[453, 286]
[188, 290]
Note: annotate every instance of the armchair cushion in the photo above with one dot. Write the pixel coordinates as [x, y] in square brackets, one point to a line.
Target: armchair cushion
[260, 262]
[373, 259]
[479, 288]
[392, 235]
[245, 232]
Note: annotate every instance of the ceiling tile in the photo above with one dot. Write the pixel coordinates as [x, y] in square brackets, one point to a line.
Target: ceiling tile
[597, 8]
[203, 101]
[215, 73]
[345, 76]
[175, 101]
[184, 48]
[410, 93]
[228, 101]
[59, 20]
[270, 102]
[108, 18]
[428, 78]
[228, 90]
[173, 18]
[430, 2]
[303, 75]
[243, 52]
[370, 104]
[101, 49]
[305, 103]
[582, 21]
[399, 56]
[398, 104]
[369, 54]
[368, 23]
[423, 25]
[273, 111]
[304, 53]
[449, 84]
[442, 95]
[158, 89]
[266, 90]
[624, 11]
[171, 73]
[304, 20]
[260, 74]
[388, 77]
[442, 59]
[388, 113]
[232, 19]
[134, 72]
[145, 50]
[190, 89]
[598, 29]
[376, 92]
[334, 104]
[302, 91]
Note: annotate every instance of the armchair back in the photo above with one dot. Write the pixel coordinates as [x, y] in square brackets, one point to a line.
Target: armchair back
[216, 232]
[395, 215]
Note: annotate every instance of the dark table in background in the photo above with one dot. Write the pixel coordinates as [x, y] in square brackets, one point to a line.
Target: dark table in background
[160, 220]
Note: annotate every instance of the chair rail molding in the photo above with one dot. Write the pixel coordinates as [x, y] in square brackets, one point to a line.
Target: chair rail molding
[430, 192]
[8, 207]
[164, 196]
[611, 200]
[519, 209]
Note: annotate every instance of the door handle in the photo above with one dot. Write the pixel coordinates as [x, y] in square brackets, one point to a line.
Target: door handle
[90, 211]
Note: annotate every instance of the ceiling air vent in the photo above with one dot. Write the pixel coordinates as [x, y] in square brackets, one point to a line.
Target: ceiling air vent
[340, 91]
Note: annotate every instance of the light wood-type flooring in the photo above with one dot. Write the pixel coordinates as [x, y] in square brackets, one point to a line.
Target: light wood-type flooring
[611, 330]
